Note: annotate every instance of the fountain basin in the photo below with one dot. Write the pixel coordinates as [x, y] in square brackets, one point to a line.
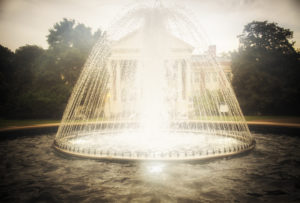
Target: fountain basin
[28, 161]
[167, 145]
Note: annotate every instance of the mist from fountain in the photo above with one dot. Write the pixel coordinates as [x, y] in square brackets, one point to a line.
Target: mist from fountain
[148, 91]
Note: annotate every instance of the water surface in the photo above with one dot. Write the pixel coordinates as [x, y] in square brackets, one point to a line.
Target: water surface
[31, 170]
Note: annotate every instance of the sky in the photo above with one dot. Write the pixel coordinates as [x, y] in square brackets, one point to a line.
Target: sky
[28, 21]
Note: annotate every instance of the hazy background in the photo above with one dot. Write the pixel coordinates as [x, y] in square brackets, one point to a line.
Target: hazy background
[28, 21]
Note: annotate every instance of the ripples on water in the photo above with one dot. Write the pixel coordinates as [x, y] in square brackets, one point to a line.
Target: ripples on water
[31, 170]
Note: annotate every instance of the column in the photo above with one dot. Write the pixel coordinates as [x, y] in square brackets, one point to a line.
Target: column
[180, 106]
[188, 86]
[109, 97]
[184, 81]
[118, 86]
[179, 80]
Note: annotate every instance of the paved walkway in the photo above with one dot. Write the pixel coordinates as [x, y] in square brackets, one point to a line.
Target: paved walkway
[263, 123]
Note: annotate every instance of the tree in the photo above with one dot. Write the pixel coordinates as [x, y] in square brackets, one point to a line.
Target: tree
[70, 44]
[26, 63]
[6, 76]
[36, 83]
[268, 37]
[26, 60]
[266, 70]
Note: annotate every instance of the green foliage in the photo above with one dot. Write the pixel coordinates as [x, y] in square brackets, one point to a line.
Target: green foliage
[70, 45]
[6, 76]
[68, 34]
[37, 83]
[266, 70]
[26, 60]
[267, 36]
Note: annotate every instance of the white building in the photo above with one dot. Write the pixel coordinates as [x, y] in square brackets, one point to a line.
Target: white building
[186, 74]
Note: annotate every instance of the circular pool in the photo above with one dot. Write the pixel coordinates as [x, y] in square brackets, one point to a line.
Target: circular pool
[32, 170]
[166, 146]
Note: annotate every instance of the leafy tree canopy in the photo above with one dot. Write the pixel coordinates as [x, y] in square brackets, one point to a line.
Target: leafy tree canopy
[266, 70]
[69, 45]
[25, 62]
[67, 34]
[36, 83]
[6, 59]
[267, 36]
[6, 74]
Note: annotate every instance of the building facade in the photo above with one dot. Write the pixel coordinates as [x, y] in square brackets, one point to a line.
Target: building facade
[185, 74]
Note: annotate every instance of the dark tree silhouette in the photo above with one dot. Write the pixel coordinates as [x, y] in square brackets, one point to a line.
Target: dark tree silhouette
[267, 36]
[266, 70]
[70, 44]
[36, 83]
[6, 76]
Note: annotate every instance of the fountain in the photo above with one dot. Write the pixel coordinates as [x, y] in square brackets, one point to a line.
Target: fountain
[149, 91]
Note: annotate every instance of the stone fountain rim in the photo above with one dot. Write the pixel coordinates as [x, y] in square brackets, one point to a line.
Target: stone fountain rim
[68, 149]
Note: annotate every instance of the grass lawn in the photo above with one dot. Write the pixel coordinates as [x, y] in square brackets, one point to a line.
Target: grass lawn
[11, 123]
[277, 119]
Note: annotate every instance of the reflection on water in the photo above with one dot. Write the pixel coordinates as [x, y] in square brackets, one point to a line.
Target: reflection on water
[31, 170]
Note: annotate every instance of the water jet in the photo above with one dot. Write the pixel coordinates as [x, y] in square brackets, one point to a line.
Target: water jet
[150, 91]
